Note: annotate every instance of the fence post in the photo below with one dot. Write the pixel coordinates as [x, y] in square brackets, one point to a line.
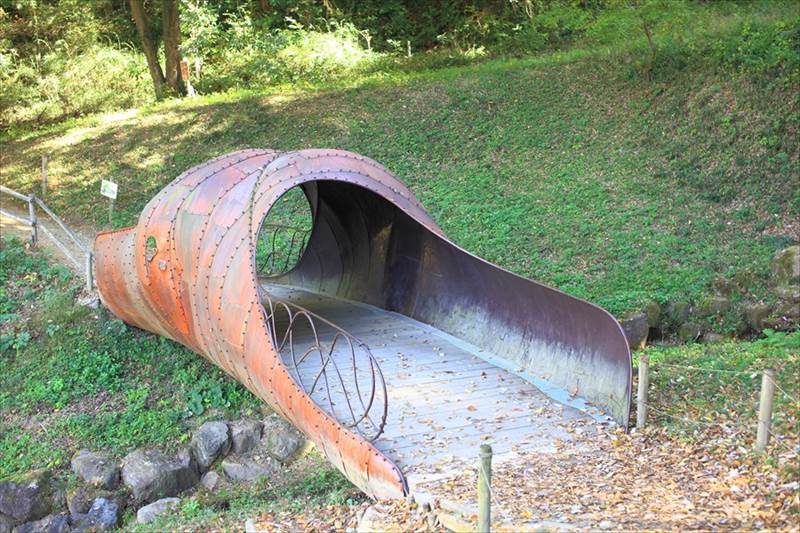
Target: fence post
[765, 409]
[89, 272]
[641, 396]
[44, 176]
[484, 488]
[32, 216]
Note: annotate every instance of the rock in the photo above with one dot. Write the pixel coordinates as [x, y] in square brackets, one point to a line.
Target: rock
[280, 439]
[102, 516]
[755, 314]
[97, 469]
[606, 525]
[678, 312]
[636, 328]
[714, 305]
[245, 469]
[788, 310]
[6, 523]
[209, 441]
[723, 287]
[28, 498]
[711, 337]
[653, 312]
[788, 293]
[80, 499]
[212, 481]
[245, 435]
[689, 332]
[785, 266]
[186, 459]
[54, 523]
[158, 508]
[152, 475]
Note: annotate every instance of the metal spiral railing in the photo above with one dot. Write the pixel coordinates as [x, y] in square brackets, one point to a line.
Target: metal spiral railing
[324, 368]
[285, 246]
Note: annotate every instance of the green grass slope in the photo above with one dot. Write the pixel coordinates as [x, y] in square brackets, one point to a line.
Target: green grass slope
[614, 189]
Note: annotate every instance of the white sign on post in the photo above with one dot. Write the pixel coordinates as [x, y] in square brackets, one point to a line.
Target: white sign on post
[108, 189]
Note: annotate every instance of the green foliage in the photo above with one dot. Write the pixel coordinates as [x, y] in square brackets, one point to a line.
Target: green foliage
[89, 381]
[57, 61]
[101, 78]
[284, 233]
[249, 57]
[725, 383]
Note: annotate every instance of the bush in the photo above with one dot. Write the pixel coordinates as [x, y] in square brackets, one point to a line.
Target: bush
[100, 79]
[253, 58]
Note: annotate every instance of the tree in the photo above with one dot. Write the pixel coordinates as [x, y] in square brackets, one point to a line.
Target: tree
[170, 23]
[170, 77]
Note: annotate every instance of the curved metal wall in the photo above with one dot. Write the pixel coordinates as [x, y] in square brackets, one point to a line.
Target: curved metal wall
[371, 241]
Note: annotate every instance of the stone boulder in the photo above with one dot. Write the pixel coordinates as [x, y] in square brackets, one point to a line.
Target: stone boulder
[713, 338]
[103, 515]
[158, 508]
[97, 469]
[678, 312]
[152, 475]
[280, 439]
[785, 266]
[755, 314]
[212, 481]
[186, 459]
[723, 286]
[689, 332]
[28, 498]
[636, 328]
[54, 523]
[245, 435]
[6, 523]
[713, 305]
[80, 499]
[788, 293]
[653, 312]
[246, 469]
[210, 441]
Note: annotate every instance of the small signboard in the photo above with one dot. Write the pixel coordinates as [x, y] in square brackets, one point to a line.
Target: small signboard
[108, 189]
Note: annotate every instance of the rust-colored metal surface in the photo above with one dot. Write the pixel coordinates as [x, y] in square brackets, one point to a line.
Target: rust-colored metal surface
[188, 271]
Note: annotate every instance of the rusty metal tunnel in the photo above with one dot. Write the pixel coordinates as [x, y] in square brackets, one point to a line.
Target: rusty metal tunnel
[391, 348]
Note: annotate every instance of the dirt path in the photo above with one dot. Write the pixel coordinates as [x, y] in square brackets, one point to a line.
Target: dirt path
[65, 251]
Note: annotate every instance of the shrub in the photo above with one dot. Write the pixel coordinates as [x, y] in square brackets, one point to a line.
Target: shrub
[99, 79]
[250, 57]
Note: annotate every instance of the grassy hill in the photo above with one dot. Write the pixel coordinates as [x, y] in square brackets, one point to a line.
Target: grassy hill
[563, 168]
[575, 168]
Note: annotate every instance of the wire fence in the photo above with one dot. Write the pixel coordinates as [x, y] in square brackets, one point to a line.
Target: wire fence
[764, 406]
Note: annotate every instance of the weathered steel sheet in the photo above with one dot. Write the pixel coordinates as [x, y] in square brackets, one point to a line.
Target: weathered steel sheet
[371, 241]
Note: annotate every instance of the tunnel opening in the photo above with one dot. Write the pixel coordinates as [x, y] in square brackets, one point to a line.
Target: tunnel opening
[396, 351]
[284, 234]
[406, 339]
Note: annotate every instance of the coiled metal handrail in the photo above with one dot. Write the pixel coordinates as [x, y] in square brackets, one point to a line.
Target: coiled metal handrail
[366, 406]
[279, 256]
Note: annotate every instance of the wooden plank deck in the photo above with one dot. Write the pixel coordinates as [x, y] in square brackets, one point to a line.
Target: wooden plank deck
[444, 397]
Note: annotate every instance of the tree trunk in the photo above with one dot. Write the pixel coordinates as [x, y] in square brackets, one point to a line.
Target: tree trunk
[148, 45]
[172, 38]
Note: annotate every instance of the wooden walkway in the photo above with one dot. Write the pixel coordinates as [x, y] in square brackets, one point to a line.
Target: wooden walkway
[444, 398]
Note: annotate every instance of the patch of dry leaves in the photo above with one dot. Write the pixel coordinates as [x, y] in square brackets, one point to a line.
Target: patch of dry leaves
[384, 516]
[645, 480]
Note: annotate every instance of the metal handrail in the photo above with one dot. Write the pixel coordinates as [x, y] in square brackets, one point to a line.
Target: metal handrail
[372, 397]
[61, 223]
[298, 236]
[15, 194]
[32, 201]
